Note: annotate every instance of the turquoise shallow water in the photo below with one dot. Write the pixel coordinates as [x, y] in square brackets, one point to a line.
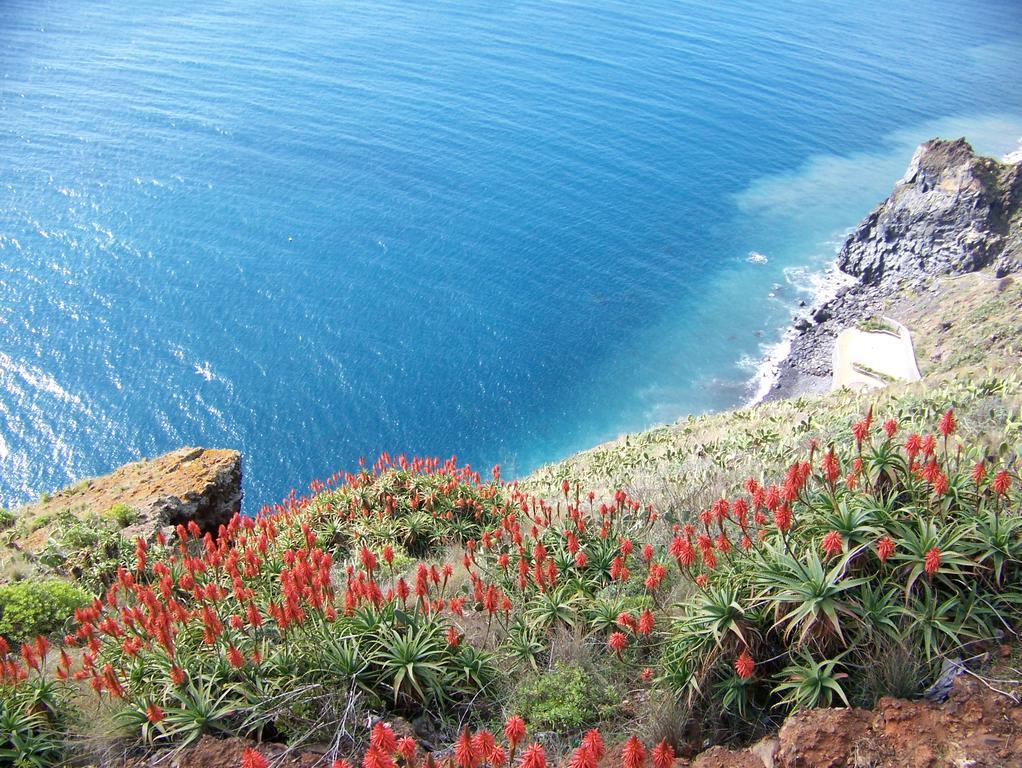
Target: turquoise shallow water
[502, 230]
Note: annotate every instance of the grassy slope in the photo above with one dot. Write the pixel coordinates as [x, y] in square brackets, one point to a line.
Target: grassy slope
[968, 336]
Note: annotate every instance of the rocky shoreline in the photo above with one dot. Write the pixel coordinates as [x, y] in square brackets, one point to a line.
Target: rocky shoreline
[952, 213]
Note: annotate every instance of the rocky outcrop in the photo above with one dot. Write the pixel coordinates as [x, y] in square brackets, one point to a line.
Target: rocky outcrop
[977, 727]
[953, 212]
[200, 485]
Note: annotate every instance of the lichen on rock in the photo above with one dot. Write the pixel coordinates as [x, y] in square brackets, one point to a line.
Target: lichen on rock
[200, 485]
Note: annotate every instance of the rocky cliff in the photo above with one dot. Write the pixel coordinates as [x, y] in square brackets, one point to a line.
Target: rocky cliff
[201, 485]
[953, 212]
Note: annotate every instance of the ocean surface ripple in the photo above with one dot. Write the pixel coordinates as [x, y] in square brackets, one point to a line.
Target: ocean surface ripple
[313, 231]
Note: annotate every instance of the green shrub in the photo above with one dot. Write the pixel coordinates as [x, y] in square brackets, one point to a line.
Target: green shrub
[41, 522]
[37, 608]
[121, 514]
[567, 698]
[86, 550]
[73, 533]
[6, 519]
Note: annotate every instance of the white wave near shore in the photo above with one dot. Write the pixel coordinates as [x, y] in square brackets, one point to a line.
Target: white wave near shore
[820, 285]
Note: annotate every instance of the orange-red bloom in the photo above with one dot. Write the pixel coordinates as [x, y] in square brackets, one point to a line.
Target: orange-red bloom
[783, 518]
[832, 543]
[830, 467]
[744, 665]
[885, 548]
[377, 758]
[534, 756]
[406, 748]
[594, 743]
[979, 471]
[1002, 482]
[617, 642]
[234, 657]
[663, 755]
[252, 759]
[464, 751]
[514, 730]
[947, 424]
[633, 754]
[382, 737]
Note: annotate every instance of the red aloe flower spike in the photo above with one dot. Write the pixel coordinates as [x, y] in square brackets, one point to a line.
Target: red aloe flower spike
[252, 759]
[483, 744]
[646, 623]
[885, 548]
[633, 755]
[234, 657]
[744, 665]
[377, 758]
[617, 642]
[979, 471]
[663, 755]
[1002, 482]
[582, 758]
[514, 732]
[832, 543]
[947, 423]
[783, 518]
[594, 743]
[382, 737]
[29, 656]
[830, 467]
[860, 430]
[932, 561]
[406, 748]
[534, 756]
[464, 751]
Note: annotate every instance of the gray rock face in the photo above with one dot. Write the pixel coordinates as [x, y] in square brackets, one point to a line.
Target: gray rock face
[953, 212]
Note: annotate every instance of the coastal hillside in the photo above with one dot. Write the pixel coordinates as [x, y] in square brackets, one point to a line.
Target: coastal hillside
[828, 578]
[939, 255]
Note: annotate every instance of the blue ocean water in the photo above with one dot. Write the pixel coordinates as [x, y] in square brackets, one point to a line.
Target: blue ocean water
[504, 230]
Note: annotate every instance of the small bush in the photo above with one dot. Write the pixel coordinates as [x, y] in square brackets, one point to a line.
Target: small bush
[121, 514]
[567, 698]
[87, 550]
[78, 534]
[6, 519]
[37, 608]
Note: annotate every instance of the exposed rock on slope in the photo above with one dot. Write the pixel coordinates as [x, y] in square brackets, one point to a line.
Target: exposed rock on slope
[952, 213]
[190, 484]
[976, 727]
